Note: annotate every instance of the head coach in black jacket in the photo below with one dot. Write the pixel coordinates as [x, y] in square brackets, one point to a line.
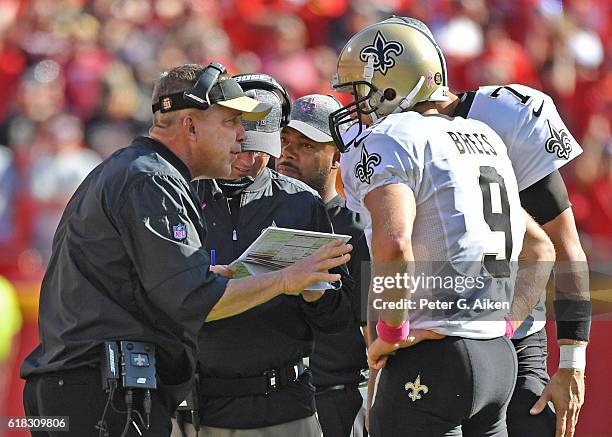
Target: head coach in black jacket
[308, 153]
[128, 265]
[252, 376]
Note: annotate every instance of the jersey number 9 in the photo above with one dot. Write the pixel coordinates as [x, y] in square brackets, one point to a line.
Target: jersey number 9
[496, 212]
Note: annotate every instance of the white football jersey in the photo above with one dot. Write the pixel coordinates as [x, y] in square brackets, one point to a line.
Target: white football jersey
[469, 221]
[538, 143]
[527, 121]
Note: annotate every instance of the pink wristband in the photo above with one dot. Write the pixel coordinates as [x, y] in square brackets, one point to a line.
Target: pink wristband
[509, 328]
[391, 334]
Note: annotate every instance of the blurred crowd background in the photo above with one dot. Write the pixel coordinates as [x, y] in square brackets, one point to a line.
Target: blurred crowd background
[77, 76]
[76, 79]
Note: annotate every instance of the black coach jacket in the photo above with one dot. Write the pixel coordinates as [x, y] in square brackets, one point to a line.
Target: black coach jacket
[278, 332]
[128, 264]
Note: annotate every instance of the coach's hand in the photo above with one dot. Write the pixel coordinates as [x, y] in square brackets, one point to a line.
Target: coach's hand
[222, 270]
[314, 268]
[566, 391]
[312, 296]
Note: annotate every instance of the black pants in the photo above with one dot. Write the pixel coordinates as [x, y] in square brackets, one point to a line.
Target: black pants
[337, 410]
[78, 394]
[532, 377]
[449, 387]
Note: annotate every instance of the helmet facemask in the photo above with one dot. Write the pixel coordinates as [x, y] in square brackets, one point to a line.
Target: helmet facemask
[341, 119]
[375, 103]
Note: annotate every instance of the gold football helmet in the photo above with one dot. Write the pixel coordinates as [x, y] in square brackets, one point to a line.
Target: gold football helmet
[388, 67]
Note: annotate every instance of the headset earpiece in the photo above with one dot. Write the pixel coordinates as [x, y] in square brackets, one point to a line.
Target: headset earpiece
[267, 83]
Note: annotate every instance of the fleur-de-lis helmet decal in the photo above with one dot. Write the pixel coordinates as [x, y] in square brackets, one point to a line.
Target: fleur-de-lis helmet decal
[382, 50]
[388, 67]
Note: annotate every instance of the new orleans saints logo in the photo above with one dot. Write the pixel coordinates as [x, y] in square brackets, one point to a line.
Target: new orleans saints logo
[414, 388]
[382, 51]
[364, 170]
[559, 142]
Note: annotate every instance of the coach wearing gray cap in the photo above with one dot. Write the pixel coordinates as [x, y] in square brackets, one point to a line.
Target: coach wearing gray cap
[252, 379]
[310, 155]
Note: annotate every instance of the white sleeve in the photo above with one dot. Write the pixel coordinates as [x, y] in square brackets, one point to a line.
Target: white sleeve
[538, 141]
[383, 161]
[543, 143]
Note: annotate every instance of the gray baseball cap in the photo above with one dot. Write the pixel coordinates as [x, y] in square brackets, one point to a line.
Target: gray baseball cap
[310, 116]
[264, 135]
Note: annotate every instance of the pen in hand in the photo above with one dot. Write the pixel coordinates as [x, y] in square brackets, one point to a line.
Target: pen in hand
[220, 270]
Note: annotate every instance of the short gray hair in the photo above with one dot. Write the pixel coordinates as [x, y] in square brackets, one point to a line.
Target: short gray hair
[177, 79]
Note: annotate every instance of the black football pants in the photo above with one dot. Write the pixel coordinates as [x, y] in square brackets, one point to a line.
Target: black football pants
[449, 387]
[532, 377]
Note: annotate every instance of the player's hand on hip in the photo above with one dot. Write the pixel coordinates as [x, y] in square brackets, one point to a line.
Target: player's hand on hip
[566, 391]
[379, 351]
[314, 268]
[418, 335]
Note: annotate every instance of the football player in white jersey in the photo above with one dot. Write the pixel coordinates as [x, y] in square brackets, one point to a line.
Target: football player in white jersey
[444, 208]
[538, 144]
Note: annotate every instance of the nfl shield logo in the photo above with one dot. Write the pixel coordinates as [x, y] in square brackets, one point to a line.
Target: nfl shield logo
[180, 232]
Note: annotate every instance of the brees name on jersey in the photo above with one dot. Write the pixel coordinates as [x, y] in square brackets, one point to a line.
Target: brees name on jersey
[472, 143]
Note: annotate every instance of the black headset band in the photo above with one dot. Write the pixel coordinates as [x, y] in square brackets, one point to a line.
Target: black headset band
[196, 97]
[199, 94]
[267, 83]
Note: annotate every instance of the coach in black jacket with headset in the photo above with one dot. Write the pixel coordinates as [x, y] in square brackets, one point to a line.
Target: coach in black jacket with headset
[128, 262]
[251, 373]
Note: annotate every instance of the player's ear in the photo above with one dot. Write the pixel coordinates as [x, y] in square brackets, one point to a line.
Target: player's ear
[336, 159]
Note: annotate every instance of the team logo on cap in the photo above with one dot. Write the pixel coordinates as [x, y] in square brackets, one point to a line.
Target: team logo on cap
[382, 51]
[414, 389]
[179, 232]
[307, 106]
[166, 103]
[559, 142]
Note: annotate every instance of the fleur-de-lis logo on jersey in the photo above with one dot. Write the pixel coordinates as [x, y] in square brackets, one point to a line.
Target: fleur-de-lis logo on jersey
[364, 170]
[382, 51]
[414, 389]
[559, 142]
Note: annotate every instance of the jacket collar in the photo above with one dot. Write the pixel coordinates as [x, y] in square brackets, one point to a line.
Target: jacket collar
[337, 201]
[166, 153]
[261, 182]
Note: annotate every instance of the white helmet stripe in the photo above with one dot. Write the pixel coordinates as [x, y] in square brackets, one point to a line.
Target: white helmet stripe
[368, 69]
[407, 102]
